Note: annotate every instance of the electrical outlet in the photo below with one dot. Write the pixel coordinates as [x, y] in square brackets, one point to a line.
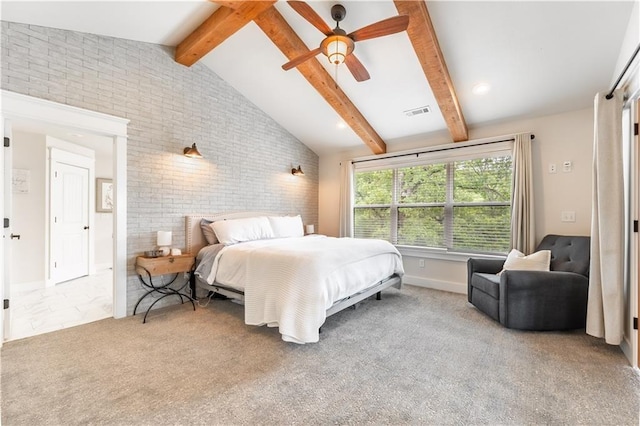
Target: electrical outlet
[421, 263]
[552, 167]
[568, 216]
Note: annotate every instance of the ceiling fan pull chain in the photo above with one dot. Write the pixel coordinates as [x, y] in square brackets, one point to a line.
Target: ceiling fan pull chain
[336, 73]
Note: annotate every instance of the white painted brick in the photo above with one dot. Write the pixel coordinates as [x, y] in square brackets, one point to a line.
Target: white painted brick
[170, 106]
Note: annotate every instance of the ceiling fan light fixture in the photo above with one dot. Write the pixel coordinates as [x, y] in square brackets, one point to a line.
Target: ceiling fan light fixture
[337, 51]
[336, 47]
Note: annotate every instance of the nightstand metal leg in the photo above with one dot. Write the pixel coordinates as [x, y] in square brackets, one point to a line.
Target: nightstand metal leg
[165, 290]
[144, 320]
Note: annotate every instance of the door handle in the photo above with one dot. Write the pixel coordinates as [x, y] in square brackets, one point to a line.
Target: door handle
[14, 236]
[86, 227]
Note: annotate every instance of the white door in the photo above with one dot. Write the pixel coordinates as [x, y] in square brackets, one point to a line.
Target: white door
[7, 236]
[70, 222]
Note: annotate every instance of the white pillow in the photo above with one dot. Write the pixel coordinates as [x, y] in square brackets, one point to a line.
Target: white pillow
[234, 231]
[517, 261]
[286, 226]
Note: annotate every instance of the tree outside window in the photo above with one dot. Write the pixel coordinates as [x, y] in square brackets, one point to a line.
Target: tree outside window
[458, 205]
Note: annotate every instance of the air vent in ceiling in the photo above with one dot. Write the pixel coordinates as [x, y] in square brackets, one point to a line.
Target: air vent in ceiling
[417, 111]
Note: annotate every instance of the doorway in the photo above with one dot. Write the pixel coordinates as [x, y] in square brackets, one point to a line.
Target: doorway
[70, 283]
[52, 117]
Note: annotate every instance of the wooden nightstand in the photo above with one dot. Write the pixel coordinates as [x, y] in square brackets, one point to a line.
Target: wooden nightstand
[149, 267]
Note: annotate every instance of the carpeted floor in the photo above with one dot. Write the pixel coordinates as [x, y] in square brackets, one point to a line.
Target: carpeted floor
[418, 356]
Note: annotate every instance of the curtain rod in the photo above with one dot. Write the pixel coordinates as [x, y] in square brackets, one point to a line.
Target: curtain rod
[626, 67]
[436, 150]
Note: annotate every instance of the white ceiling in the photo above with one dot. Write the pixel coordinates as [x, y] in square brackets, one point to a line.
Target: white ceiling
[539, 57]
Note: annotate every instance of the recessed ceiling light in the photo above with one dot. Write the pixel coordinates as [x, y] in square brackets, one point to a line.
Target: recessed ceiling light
[481, 88]
[341, 124]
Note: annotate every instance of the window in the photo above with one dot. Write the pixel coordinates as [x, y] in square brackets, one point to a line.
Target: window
[458, 204]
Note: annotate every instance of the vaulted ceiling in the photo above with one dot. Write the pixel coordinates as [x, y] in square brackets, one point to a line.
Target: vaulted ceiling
[537, 57]
[232, 16]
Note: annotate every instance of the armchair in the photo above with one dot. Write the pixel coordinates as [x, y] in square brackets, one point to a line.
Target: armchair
[535, 300]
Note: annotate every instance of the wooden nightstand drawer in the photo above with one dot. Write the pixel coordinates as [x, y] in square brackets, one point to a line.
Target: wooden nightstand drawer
[164, 265]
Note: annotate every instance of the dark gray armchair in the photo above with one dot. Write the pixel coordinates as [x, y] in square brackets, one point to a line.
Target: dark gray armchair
[535, 300]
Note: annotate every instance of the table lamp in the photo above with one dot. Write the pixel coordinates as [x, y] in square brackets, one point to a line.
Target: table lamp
[164, 242]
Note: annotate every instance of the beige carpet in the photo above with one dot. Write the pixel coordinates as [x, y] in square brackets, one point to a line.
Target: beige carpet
[418, 356]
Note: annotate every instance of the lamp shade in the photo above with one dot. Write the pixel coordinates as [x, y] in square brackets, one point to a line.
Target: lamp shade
[310, 229]
[337, 51]
[164, 238]
[337, 47]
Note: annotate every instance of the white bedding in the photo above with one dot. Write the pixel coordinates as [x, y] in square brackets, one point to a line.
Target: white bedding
[290, 282]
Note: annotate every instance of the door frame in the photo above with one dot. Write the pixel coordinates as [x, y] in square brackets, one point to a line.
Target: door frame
[5, 255]
[16, 106]
[630, 344]
[636, 187]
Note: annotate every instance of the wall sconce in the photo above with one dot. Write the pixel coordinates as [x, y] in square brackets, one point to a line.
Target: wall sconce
[192, 152]
[297, 172]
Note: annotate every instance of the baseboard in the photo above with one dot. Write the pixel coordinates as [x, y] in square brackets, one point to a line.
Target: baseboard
[627, 350]
[27, 286]
[101, 267]
[435, 284]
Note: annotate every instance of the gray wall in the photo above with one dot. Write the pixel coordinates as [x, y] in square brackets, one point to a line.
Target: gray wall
[248, 156]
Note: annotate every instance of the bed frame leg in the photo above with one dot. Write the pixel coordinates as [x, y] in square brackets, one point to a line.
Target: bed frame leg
[379, 295]
[192, 286]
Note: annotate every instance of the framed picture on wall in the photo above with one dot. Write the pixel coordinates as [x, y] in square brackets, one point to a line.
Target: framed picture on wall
[104, 195]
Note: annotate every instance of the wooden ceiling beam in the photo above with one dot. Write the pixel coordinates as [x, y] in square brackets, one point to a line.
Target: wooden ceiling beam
[232, 4]
[222, 24]
[283, 36]
[425, 43]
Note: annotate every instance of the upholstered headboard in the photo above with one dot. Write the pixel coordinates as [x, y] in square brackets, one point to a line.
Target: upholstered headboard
[194, 239]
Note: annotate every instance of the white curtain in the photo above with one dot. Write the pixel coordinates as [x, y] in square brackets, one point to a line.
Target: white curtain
[605, 308]
[346, 199]
[522, 208]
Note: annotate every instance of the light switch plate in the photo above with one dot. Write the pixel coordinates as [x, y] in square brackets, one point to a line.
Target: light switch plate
[568, 216]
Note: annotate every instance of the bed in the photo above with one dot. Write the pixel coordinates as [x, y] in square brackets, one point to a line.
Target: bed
[284, 278]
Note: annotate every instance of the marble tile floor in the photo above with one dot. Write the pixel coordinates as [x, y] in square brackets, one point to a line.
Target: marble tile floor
[37, 310]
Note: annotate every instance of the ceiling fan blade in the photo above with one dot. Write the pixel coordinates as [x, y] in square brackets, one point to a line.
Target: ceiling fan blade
[300, 59]
[385, 27]
[358, 70]
[310, 15]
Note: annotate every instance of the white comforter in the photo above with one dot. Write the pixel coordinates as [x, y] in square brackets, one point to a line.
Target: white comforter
[290, 282]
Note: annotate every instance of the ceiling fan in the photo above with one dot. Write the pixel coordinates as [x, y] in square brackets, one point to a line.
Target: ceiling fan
[338, 45]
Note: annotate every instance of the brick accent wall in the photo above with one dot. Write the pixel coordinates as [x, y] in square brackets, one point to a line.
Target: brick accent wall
[248, 156]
